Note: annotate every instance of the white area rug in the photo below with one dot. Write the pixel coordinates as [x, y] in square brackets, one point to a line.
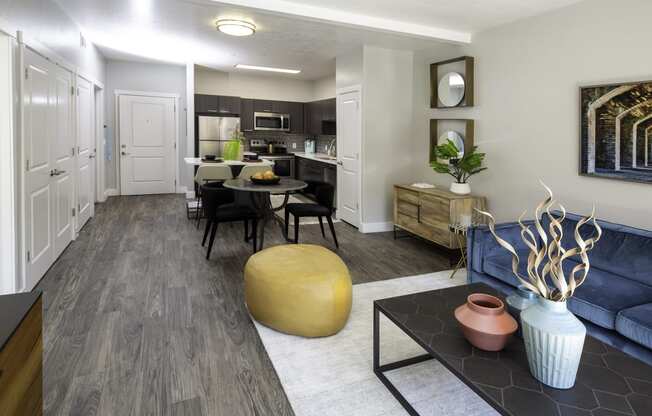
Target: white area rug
[334, 377]
[277, 200]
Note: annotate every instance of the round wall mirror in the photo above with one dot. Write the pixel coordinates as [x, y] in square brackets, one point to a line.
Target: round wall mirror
[451, 89]
[454, 137]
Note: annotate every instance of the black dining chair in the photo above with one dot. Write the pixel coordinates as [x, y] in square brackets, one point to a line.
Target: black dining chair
[219, 206]
[324, 194]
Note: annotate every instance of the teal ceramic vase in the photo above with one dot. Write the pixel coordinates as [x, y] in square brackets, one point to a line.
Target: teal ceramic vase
[554, 339]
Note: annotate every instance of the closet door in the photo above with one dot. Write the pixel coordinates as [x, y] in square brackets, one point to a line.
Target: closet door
[38, 138]
[63, 159]
[48, 145]
[85, 152]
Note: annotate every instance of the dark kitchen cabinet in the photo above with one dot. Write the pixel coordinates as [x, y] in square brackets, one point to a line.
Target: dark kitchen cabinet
[228, 105]
[206, 103]
[216, 104]
[310, 170]
[296, 118]
[320, 117]
[247, 114]
[263, 106]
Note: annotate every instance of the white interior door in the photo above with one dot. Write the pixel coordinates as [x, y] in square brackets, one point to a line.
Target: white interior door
[85, 152]
[63, 159]
[349, 140]
[147, 129]
[48, 142]
[38, 136]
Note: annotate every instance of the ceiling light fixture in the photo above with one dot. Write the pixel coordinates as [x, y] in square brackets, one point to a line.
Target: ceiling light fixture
[268, 69]
[235, 27]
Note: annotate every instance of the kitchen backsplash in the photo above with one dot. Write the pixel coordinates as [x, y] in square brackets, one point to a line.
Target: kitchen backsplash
[289, 140]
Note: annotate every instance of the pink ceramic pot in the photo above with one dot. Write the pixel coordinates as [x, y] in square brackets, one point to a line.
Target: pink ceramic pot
[485, 323]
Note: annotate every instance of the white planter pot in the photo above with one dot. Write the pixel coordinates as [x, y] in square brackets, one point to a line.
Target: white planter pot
[460, 188]
[554, 339]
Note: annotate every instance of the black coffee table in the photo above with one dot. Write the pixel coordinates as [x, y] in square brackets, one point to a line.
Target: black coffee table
[609, 382]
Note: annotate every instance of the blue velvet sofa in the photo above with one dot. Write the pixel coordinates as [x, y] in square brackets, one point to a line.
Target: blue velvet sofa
[615, 302]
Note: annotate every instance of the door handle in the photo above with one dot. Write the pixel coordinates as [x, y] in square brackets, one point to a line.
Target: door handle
[91, 156]
[124, 153]
[57, 172]
[339, 162]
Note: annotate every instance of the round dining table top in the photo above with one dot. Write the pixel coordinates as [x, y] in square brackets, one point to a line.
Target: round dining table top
[283, 186]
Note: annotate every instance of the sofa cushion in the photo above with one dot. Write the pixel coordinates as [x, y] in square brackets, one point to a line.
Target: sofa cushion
[636, 324]
[622, 250]
[598, 300]
[500, 266]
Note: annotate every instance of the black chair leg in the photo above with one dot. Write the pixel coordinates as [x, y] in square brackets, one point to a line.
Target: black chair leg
[210, 242]
[321, 225]
[254, 226]
[246, 230]
[287, 224]
[296, 229]
[332, 227]
[208, 227]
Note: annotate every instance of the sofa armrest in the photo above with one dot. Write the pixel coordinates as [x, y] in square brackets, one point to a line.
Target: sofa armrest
[481, 243]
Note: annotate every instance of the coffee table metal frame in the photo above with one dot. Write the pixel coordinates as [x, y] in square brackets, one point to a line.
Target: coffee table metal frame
[379, 369]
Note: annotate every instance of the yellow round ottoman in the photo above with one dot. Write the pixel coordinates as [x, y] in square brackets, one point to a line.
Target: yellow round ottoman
[299, 289]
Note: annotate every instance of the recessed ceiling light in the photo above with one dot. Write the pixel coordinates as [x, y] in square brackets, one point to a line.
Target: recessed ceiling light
[235, 27]
[268, 68]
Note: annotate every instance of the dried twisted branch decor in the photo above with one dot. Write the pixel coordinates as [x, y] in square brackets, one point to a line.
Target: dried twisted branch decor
[546, 257]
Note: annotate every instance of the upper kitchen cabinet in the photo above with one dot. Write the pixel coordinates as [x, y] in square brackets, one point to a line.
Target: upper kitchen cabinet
[229, 105]
[247, 114]
[263, 106]
[320, 117]
[296, 118]
[206, 103]
[217, 104]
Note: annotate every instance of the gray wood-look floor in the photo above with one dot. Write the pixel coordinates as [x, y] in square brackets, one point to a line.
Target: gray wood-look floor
[138, 322]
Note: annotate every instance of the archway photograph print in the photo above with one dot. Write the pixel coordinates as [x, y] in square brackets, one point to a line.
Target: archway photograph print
[616, 131]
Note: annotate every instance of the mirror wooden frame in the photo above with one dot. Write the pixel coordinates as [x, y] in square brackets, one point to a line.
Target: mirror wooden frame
[469, 80]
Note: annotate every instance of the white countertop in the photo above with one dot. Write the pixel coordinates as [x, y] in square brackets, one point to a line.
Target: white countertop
[317, 157]
[196, 161]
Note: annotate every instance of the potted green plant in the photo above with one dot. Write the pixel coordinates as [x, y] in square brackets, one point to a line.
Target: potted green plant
[448, 161]
[233, 149]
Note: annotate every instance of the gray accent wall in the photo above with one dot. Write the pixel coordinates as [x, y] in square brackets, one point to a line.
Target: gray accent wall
[44, 23]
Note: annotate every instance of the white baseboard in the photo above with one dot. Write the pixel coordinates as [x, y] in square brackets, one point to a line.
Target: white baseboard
[376, 227]
[110, 192]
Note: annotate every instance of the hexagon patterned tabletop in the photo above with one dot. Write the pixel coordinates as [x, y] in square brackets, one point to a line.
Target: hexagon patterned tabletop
[609, 382]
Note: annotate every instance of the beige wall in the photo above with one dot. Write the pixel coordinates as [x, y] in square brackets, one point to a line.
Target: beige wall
[387, 130]
[323, 88]
[527, 106]
[208, 81]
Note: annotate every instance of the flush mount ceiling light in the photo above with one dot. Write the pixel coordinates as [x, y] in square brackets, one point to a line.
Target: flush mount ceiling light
[235, 27]
[268, 69]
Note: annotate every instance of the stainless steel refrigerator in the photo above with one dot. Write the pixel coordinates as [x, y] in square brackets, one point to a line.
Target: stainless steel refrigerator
[213, 132]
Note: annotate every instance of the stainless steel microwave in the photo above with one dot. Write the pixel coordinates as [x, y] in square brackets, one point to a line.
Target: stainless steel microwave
[271, 122]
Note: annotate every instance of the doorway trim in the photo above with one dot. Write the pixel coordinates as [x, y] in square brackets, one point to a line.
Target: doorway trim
[116, 129]
[344, 90]
[100, 172]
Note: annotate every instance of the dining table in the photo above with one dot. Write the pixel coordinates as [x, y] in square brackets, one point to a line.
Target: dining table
[261, 199]
[235, 165]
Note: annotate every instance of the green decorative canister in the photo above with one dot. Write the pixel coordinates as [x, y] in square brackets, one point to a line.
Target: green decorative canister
[554, 339]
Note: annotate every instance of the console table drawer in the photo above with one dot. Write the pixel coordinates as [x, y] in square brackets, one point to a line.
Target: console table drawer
[407, 196]
[407, 208]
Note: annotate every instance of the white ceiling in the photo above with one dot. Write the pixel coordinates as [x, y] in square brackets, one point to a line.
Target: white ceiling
[297, 35]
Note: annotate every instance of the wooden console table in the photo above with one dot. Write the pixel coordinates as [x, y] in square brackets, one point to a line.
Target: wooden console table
[429, 213]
